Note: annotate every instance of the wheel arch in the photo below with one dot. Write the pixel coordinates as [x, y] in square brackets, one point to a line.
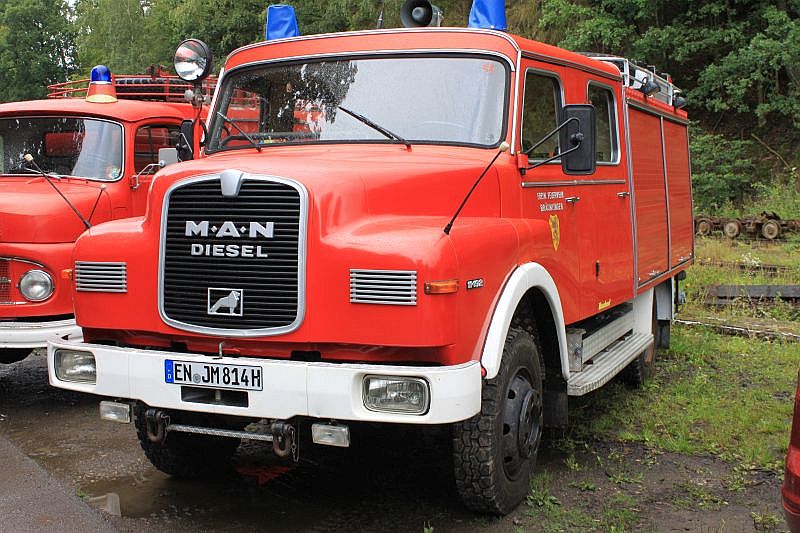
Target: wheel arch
[529, 289]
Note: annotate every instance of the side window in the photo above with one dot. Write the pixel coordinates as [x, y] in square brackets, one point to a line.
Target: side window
[149, 139]
[606, 134]
[540, 113]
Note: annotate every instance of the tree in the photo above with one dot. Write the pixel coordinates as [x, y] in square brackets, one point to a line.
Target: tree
[36, 47]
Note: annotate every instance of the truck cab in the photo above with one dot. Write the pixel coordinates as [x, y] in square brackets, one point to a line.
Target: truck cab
[408, 226]
[68, 163]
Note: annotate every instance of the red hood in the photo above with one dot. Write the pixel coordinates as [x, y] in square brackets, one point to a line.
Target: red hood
[32, 212]
[347, 182]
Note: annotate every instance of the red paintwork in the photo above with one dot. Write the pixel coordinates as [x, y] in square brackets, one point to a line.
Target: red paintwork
[790, 491]
[38, 226]
[383, 207]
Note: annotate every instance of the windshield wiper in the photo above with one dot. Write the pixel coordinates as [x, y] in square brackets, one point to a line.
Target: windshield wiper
[240, 130]
[380, 129]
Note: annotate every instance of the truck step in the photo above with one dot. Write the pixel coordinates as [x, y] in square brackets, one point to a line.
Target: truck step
[600, 339]
[608, 364]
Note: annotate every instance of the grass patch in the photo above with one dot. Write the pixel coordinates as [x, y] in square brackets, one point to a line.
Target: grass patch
[729, 396]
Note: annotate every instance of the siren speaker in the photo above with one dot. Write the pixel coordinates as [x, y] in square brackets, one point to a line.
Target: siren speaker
[419, 13]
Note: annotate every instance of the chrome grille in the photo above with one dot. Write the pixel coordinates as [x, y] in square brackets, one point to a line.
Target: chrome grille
[101, 277]
[387, 287]
[5, 282]
[197, 291]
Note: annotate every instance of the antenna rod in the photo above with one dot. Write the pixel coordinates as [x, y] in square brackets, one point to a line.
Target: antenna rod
[29, 159]
[503, 147]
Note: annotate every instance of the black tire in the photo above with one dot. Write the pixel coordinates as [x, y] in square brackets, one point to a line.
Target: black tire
[12, 355]
[494, 452]
[641, 369]
[185, 455]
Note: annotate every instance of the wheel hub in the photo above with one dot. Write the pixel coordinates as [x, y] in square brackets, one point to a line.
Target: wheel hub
[522, 423]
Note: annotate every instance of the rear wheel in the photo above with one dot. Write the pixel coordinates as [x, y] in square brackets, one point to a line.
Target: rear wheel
[12, 355]
[732, 229]
[495, 451]
[771, 230]
[703, 227]
[185, 455]
[641, 369]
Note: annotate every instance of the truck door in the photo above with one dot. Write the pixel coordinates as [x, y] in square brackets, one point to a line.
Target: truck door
[607, 254]
[147, 140]
[545, 191]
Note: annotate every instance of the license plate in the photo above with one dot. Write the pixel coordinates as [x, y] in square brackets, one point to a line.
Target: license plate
[215, 375]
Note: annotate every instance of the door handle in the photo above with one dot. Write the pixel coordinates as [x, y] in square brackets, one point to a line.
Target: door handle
[623, 194]
[572, 199]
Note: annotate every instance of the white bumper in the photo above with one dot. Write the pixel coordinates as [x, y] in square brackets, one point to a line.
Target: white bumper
[36, 334]
[291, 388]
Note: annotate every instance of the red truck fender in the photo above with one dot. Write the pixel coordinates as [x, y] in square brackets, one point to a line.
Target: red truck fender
[524, 278]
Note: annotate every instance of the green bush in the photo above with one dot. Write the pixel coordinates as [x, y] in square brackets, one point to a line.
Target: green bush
[722, 170]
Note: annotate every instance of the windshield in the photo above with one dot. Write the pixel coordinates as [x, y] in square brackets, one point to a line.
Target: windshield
[68, 146]
[455, 100]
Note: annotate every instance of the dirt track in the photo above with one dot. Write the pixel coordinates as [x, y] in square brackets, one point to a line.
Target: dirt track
[398, 482]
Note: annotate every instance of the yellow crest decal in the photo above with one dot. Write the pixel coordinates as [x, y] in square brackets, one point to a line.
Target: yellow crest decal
[555, 231]
[604, 305]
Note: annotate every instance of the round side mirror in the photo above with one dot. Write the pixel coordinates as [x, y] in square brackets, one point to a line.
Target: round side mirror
[193, 60]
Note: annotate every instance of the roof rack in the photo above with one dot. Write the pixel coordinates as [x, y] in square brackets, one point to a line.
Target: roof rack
[155, 85]
[635, 76]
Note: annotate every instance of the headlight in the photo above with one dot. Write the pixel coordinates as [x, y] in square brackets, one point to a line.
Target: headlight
[192, 60]
[396, 394]
[75, 366]
[36, 285]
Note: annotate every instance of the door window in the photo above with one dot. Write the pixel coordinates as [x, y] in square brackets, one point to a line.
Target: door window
[606, 123]
[540, 110]
[149, 140]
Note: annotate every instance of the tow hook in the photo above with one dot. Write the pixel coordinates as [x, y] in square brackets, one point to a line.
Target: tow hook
[284, 441]
[156, 422]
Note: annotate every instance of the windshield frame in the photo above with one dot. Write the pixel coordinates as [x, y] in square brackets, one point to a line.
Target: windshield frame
[123, 152]
[506, 62]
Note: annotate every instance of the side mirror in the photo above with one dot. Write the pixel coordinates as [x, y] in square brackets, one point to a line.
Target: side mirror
[577, 139]
[167, 156]
[185, 146]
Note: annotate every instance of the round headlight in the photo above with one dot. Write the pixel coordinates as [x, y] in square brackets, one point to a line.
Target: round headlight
[36, 285]
[193, 60]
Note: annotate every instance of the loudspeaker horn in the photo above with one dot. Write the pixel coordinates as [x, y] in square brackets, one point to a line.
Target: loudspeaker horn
[420, 13]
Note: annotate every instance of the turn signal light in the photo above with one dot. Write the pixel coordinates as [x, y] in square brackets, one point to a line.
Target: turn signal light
[441, 287]
[66, 274]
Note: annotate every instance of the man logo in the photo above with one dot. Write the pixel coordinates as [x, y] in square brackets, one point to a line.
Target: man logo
[228, 302]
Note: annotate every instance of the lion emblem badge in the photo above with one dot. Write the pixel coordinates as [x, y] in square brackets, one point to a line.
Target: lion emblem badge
[555, 231]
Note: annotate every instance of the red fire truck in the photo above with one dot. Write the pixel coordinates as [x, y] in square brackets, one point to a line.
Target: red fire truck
[466, 228]
[91, 160]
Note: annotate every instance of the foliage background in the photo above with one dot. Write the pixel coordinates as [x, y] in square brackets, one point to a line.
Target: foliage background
[737, 60]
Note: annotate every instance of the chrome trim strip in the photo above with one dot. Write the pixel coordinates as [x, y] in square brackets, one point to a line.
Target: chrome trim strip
[570, 183]
[301, 260]
[570, 64]
[96, 276]
[388, 31]
[657, 112]
[632, 190]
[386, 287]
[20, 260]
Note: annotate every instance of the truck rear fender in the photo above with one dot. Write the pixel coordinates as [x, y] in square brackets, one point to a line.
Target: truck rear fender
[531, 286]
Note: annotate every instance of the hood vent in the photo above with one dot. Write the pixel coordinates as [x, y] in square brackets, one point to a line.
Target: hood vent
[386, 287]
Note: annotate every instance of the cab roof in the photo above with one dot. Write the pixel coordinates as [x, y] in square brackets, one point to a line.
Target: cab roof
[409, 39]
[121, 110]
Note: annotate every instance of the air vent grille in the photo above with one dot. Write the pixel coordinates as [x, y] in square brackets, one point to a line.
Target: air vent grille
[101, 277]
[386, 287]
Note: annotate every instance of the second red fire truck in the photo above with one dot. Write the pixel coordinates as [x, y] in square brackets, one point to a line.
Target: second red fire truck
[406, 226]
[83, 156]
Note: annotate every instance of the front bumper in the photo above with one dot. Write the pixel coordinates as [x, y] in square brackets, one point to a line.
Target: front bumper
[291, 388]
[36, 334]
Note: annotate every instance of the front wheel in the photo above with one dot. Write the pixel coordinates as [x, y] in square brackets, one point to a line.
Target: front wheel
[495, 450]
[12, 355]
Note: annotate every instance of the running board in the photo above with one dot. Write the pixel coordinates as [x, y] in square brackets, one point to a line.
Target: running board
[608, 364]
